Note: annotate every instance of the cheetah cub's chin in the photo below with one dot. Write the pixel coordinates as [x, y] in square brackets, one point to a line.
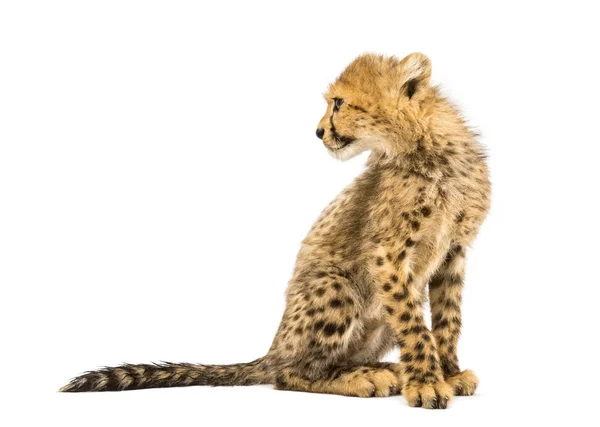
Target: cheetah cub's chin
[357, 147]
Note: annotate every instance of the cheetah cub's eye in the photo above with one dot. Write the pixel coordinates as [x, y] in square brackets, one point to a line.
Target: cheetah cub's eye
[337, 103]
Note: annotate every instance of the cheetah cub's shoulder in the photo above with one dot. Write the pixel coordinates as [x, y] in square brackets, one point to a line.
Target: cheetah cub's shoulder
[398, 232]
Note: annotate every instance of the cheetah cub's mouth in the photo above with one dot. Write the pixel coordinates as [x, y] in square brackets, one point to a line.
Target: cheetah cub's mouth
[341, 142]
[347, 148]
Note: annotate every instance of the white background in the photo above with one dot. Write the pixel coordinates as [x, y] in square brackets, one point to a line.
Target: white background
[158, 170]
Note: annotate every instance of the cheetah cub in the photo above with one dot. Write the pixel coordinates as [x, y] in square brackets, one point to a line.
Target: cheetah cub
[362, 275]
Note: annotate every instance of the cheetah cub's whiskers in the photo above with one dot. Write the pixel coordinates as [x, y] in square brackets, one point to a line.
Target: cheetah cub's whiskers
[400, 231]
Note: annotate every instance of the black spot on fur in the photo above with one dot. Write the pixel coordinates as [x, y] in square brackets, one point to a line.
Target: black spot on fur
[336, 303]
[442, 323]
[329, 329]
[398, 296]
[406, 358]
[456, 279]
[436, 282]
[417, 329]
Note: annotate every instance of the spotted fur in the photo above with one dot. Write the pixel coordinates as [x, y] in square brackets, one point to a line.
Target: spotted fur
[396, 235]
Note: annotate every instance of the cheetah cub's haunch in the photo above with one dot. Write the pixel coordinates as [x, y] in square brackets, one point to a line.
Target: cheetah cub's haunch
[363, 272]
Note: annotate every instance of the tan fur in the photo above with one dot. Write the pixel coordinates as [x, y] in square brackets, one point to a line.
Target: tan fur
[363, 273]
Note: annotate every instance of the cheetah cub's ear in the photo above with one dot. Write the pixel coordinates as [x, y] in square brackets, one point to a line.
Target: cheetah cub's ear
[414, 74]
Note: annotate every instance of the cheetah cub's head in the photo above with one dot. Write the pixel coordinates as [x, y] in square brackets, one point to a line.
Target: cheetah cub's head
[376, 104]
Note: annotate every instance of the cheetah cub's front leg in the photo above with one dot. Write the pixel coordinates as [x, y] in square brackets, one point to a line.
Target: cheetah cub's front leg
[400, 290]
[445, 296]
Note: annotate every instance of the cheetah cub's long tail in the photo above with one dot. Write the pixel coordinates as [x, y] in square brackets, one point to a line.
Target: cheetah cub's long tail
[134, 377]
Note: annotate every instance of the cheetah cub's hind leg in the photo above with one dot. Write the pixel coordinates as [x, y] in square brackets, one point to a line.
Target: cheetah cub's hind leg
[322, 329]
[445, 295]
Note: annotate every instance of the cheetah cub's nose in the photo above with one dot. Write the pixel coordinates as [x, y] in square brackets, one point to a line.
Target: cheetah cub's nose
[320, 133]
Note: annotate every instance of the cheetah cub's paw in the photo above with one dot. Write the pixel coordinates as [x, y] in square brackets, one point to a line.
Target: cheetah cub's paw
[435, 395]
[464, 383]
[370, 383]
[386, 382]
